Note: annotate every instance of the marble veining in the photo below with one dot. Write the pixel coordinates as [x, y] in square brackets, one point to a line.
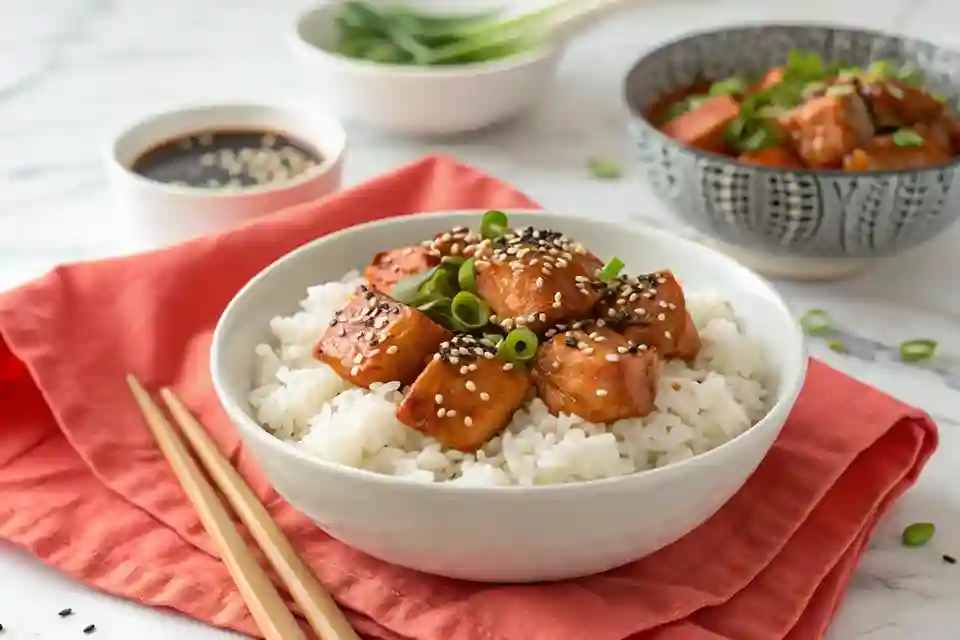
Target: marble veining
[73, 71]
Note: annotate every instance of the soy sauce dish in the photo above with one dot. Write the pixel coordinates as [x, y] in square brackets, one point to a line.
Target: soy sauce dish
[199, 170]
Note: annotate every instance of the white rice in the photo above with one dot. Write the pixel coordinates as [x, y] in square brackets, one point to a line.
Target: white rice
[699, 408]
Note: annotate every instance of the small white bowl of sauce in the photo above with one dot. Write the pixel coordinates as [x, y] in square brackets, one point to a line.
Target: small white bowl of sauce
[205, 169]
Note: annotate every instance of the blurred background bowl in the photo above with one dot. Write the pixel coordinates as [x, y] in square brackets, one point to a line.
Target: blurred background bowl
[802, 224]
[418, 100]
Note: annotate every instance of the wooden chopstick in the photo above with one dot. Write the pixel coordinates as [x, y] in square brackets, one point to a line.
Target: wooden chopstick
[266, 606]
[319, 608]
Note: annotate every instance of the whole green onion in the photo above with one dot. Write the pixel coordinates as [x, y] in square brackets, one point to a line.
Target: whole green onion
[918, 534]
[520, 345]
[917, 350]
[494, 224]
[467, 275]
[470, 310]
[611, 269]
[815, 322]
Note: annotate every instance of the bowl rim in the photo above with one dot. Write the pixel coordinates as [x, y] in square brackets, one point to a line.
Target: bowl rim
[538, 53]
[638, 118]
[331, 157]
[791, 376]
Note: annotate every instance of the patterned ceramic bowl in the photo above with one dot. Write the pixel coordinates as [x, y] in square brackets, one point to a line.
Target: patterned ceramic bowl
[798, 223]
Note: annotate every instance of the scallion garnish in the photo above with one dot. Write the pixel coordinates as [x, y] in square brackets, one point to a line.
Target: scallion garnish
[455, 261]
[732, 86]
[520, 345]
[815, 322]
[836, 345]
[467, 275]
[470, 310]
[407, 290]
[494, 224]
[907, 138]
[918, 350]
[493, 338]
[604, 169]
[918, 534]
[611, 270]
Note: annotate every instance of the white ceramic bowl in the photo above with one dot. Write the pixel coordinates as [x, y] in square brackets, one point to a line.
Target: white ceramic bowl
[513, 534]
[152, 213]
[418, 100]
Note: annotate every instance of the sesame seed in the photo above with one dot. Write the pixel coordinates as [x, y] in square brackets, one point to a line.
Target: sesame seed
[488, 355]
[469, 384]
[661, 317]
[438, 398]
[581, 345]
[508, 366]
[556, 305]
[484, 396]
[622, 349]
[463, 370]
[602, 392]
[452, 413]
[392, 349]
[667, 335]
[493, 318]
[357, 359]
[542, 317]
[588, 351]
[354, 370]
[441, 412]
[472, 367]
[539, 283]
[436, 356]
[468, 421]
[454, 360]
[558, 296]
[601, 322]
[611, 357]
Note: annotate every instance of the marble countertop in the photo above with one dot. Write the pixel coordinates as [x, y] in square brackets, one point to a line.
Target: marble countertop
[72, 70]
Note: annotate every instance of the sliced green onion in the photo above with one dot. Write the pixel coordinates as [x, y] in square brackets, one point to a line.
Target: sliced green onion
[494, 224]
[734, 85]
[815, 322]
[520, 345]
[456, 261]
[604, 169]
[467, 275]
[840, 90]
[907, 138]
[611, 269]
[836, 345]
[918, 350]
[493, 338]
[470, 310]
[918, 534]
[407, 290]
[442, 284]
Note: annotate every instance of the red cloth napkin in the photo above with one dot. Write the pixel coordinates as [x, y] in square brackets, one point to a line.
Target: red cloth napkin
[84, 488]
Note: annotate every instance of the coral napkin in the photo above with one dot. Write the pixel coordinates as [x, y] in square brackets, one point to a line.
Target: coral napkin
[83, 487]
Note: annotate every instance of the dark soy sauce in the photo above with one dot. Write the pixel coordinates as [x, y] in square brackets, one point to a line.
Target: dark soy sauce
[227, 159]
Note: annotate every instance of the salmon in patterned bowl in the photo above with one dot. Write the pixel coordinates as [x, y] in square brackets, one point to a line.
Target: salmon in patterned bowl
[805, 151]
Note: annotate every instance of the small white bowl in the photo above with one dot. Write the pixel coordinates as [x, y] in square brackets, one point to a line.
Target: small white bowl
[419, 100]
[516, 533]
[153, 213]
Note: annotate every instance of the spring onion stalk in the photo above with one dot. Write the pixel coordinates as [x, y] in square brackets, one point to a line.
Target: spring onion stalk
[407, 290]
[836, 345]
[611, 270]
[918, 534]
[604, 169]
[520, 345]
[815, 322]
[493, 338]
[470, 310]
[467, 275]
[918, 350]
[494, 224]
[907, 138]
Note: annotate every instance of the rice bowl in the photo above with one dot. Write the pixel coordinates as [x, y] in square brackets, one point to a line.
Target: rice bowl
[478, 528]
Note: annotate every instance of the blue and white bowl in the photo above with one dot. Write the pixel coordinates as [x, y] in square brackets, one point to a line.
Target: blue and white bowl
[799, 223]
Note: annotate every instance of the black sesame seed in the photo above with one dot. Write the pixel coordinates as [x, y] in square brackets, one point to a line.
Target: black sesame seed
[65, 612]
[333, 322]
[949, 559]
[90, 628]
[570, 341]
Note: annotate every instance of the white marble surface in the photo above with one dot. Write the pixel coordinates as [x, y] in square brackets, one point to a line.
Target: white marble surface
[71, 71]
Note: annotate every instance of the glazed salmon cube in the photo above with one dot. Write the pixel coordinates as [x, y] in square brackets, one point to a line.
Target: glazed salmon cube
[824, 130]
[779, 157]
[651, 310]
[597, 374]
[377, 339]
[389, 267]
[895, 103]
[537, 278]
[702, 127]
[466, 395]
[883, 154]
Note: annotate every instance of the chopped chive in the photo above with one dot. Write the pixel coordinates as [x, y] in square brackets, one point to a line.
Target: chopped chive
[918, 534]
[494, 224]
[611, 269]
[604, 169]
[470, 310]
[520, 345]
[917, 350]
[949, 559]
[838, 346]
[815, 322]
[907, 138]
[467, 275]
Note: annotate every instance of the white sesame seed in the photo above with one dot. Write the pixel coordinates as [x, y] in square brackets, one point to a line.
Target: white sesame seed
[611, 357]
[436, 356]
[558, 296]
[468, 421]
[539, 283]
[622, 349]
[454, 360]
[542, 317]
[488, 355]
[602, 392]
[667, 335]
[493, 318]
[452, 413]
[588, 351]
[441, 412]
[661, 317]
[438, 398]
[392, 349]
[470, 385]
[556, 305]
[354, 370]
[484, 396]
[472, 367]
[508, 366]
[464, 370]
[357, 359]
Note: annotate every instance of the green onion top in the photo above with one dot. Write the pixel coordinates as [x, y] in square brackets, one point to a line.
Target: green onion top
[520, 345]
[407, 290]
[918, 534]
[494, 224]
[815, 322]
[470, 310]
[467, 275]
[604, 169]
[611, 270]
[907, 138]
[918, 350]
[732, 86]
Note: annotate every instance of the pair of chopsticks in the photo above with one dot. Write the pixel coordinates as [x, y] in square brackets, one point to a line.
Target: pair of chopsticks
[266, 606]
